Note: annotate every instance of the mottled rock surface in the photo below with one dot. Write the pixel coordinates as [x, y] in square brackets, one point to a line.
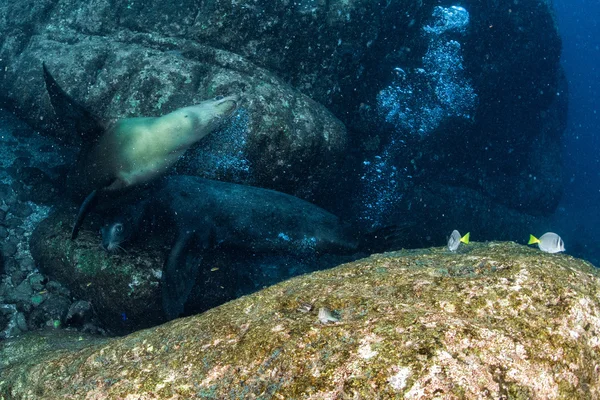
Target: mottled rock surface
[279, 139]
[150, 57]
[495, 320]
[124, 287]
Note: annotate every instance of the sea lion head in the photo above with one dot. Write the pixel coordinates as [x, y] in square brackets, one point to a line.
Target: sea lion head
[211, 114]
[114, 233]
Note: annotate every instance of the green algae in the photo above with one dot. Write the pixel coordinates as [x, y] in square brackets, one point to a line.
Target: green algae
[37, 299]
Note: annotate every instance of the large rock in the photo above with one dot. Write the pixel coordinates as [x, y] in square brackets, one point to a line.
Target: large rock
[439, 209]
[469, 96]
[494, 320]
[317, 46]
[124, 288]
[279, 139]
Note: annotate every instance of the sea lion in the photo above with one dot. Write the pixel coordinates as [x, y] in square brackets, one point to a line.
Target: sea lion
[205, 214]
[131, 151]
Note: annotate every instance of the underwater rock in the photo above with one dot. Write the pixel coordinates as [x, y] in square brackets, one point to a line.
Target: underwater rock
[9, 248]
[51, 312]
[124, 288]
[316, 46]
[12, 222]
[489, 117]
[19, 294]
[27, 264]
[33, 184]
[20, 210]
[80, 313]
[493, 320]
[279, 139]
[442, 208]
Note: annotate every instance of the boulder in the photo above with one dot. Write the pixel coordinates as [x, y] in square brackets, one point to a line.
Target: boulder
[492, 320]
[439, 209]
[280, 138]
[124, 287]
[471, 97]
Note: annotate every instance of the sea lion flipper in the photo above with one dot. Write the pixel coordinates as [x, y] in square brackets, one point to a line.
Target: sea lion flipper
[73, 116]
[85, 208]
[179, 277]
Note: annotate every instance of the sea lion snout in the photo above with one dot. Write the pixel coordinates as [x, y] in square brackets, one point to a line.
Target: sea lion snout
[226, 106]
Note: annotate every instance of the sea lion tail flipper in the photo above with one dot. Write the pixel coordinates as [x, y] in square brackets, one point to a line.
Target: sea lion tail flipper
[85, 208]
[179, 277]
[73, 116]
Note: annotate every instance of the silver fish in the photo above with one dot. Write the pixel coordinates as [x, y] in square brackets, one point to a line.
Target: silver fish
[326, 316]
[549, 242]
[456, 239]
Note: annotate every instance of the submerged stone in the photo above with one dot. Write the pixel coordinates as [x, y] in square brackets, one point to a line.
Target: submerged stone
[496, 320]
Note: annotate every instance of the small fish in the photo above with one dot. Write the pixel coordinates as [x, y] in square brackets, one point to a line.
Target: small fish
[549, 242]
[305, 307]
[213, 269]
[456, 239]
[326, 316]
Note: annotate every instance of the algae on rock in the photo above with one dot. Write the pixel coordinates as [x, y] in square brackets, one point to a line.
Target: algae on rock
[497, 320]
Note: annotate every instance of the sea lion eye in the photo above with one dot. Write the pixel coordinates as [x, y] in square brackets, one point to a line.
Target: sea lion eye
[119, 228]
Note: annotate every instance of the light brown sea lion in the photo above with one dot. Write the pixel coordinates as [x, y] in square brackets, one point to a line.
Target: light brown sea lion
[131, 151]
[137, 150]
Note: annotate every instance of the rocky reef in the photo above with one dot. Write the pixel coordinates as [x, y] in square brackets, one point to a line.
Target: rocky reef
[493, 320]
[426, 116]
[30, 300]
[124, 287]
[281, 138]
[467, 96]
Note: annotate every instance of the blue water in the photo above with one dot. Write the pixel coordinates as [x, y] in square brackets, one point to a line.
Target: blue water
[579, 214]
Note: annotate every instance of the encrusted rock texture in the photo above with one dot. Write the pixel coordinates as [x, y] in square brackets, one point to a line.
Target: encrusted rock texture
[293, 59]
[495, 320]
[123, 287]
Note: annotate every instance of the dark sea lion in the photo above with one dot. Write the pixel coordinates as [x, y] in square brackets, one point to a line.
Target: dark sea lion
[205, 214]
[131, 151]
